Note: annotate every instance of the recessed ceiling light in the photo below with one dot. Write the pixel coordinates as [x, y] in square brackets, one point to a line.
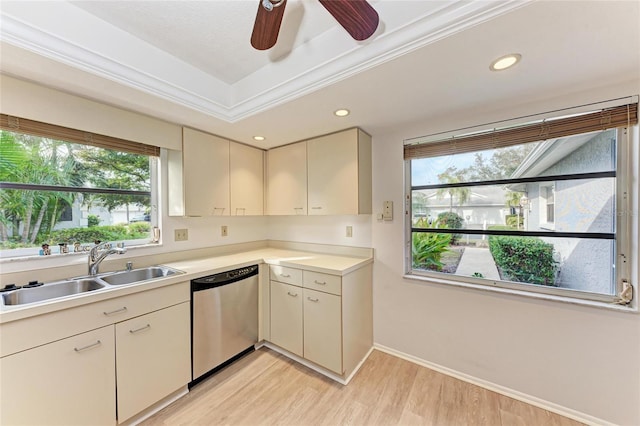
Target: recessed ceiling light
[505, 62]
[258, 138]
[342, 112]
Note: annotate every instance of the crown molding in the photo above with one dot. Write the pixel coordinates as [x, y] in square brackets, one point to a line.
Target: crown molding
[272, 85]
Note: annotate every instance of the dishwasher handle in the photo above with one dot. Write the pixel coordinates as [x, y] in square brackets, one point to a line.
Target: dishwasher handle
[224, 278]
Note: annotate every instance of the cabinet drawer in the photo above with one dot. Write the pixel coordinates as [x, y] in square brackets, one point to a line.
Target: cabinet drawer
[322, 282]
[38, 330]
[286, 275]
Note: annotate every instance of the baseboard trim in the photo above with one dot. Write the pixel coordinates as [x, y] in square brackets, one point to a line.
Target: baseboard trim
[165, 402]
[333, 376]
[503, 390]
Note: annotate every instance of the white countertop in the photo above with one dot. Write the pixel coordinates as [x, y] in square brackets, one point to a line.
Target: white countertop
[195, 268]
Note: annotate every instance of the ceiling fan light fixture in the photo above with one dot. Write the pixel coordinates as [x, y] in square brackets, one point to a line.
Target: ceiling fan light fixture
[259, 138]
[343, 112]
[505, 62]
[270, 4]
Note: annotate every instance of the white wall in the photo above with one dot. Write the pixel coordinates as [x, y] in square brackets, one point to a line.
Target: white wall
[578, 357]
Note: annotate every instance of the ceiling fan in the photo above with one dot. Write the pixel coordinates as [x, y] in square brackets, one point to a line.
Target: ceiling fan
[356, 16]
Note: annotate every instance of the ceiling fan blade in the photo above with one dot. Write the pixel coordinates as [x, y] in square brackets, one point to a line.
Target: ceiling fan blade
[267, 26]
[356, 16]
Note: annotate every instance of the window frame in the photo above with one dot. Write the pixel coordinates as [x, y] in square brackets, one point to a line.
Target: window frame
[622, 245]
[54, 132]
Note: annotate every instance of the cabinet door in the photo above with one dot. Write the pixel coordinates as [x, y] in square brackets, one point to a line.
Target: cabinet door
[286, 317]
[68, 382]
[333, 173]
[153, 358]
[323, 329]
[287, 180]
[247, 180]
[206, 174]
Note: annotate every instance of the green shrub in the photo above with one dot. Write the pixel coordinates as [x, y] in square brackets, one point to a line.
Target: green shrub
[137, 228]
[524, 259]
[427, 248]
[98, 233]
[93, 220]
[452, 221]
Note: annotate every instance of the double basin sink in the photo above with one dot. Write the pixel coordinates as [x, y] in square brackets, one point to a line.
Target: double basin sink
[37, 292]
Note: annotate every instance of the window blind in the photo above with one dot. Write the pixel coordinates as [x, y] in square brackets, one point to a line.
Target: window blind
[619, 116]
[52, 131]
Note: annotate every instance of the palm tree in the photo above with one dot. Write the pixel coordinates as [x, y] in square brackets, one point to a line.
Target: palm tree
[452, 175]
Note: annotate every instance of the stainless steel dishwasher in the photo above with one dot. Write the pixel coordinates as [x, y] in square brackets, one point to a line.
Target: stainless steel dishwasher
[224, 319]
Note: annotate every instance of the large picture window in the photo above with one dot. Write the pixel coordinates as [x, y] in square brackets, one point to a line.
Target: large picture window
[545, 215]
[59, 192]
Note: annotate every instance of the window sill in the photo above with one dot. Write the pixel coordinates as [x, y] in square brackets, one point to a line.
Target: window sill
[73, 256]
[540, 296]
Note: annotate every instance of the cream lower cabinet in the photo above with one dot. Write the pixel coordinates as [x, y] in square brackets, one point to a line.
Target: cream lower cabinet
[66, 367]
[286, 316]
[153, 358]
[67, 382]
[323, 329]
[323, 318]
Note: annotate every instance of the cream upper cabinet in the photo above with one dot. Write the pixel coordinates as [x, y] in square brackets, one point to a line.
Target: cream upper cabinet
[339, 173]
[247, 180]
[205, 174]
[67, 382]
[287, 180]
[153, 358]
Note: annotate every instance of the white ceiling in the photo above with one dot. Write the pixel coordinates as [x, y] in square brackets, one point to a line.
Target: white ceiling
[191, 63]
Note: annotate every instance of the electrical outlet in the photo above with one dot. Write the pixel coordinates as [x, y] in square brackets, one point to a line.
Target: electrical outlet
[181, 234]
[349, 231]
[224, 230]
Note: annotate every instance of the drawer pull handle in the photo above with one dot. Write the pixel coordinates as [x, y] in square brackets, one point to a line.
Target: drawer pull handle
[137, 330]
[292, 294]
[320, 282]
[84, 348]
[316, 208]
[313, 300]
[117, 311]
[285, 275]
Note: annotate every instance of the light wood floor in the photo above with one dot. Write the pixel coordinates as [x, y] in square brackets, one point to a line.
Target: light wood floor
[265, 388]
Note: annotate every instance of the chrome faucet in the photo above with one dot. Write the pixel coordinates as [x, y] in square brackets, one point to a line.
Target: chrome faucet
[95, 259]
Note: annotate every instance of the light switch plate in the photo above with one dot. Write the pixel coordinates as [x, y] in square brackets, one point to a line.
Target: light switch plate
[387, 210]
[224, 230]
[349, 231]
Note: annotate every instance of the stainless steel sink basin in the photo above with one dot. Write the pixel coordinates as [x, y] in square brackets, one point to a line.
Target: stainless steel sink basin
[50, 291]
[138, 275]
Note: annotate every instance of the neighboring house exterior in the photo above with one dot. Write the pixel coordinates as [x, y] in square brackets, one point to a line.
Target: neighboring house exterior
[485, 207]
[78, 214]
[574, 206]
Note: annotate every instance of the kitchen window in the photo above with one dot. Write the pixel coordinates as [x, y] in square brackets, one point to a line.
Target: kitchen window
[507, 208]
[63, 189]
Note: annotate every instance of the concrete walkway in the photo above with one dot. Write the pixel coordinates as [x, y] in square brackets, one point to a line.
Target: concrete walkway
[479, 260]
